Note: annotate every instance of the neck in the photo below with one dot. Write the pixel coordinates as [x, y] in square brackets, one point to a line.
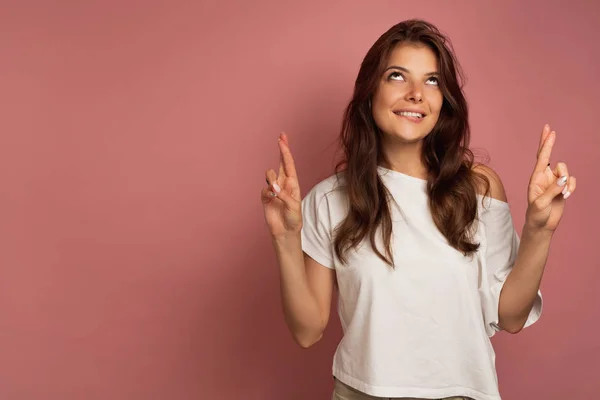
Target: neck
[405, 158]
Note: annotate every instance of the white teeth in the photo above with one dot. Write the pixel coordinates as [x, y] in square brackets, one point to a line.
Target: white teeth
[410, 114]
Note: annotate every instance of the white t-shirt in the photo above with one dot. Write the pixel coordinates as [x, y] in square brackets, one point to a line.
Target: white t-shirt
[423, 328]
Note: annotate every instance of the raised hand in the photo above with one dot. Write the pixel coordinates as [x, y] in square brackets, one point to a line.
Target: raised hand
[281, 199]
[548, 187]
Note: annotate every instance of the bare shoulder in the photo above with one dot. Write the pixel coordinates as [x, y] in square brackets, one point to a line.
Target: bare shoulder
[496, 187]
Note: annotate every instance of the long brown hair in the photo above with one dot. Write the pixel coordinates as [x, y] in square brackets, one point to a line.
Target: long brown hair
[452, 183]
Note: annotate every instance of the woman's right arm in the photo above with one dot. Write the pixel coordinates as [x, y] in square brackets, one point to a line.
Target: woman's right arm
[306, 290]
[306, 285]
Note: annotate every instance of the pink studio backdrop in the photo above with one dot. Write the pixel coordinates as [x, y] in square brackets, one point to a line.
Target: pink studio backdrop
[134, 258]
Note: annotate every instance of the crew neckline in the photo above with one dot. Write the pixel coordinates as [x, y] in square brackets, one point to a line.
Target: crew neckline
[401, 175]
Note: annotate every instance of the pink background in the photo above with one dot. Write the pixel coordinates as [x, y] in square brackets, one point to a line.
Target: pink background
[134, 135]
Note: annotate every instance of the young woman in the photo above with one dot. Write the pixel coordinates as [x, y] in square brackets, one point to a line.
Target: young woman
[416, 237]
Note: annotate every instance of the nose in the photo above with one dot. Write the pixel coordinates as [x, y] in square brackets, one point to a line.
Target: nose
[415, 93]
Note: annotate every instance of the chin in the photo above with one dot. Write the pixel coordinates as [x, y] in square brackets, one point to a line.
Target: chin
[409, 137]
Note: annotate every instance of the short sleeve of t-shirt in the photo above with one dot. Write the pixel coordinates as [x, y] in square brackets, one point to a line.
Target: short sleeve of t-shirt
[316, 229]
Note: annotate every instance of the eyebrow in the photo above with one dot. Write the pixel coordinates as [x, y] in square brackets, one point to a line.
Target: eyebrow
[408, 71]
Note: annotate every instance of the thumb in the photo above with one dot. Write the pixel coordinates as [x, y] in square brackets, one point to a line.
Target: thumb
[288, 200]
[554, 190]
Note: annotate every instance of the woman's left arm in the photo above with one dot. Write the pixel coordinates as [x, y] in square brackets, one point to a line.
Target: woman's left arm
[547, 194]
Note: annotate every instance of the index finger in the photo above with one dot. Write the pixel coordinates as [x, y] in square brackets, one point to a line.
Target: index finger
[545, 153]
[286, 156]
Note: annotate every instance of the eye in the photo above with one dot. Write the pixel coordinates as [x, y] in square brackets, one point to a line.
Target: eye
[435, 81]
[396, 76]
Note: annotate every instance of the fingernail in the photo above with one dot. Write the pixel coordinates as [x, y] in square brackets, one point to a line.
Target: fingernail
[276, 187]
[566, 195]
[565, 190]
[562, 180]
[272, 194]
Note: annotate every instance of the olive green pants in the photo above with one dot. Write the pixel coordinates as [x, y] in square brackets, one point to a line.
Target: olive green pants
[342, 391]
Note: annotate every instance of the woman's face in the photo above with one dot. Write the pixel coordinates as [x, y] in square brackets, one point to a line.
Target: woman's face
[407, 103]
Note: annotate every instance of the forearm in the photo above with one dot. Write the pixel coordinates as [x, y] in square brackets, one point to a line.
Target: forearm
[522, 284]
[300, 306]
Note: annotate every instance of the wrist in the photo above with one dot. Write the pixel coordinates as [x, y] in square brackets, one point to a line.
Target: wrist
[534, 232]
[286, 239]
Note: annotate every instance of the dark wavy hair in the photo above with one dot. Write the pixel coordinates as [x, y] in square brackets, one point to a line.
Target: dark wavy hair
[452, 183]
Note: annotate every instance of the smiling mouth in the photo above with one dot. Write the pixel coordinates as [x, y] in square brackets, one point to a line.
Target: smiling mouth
[409, 114]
